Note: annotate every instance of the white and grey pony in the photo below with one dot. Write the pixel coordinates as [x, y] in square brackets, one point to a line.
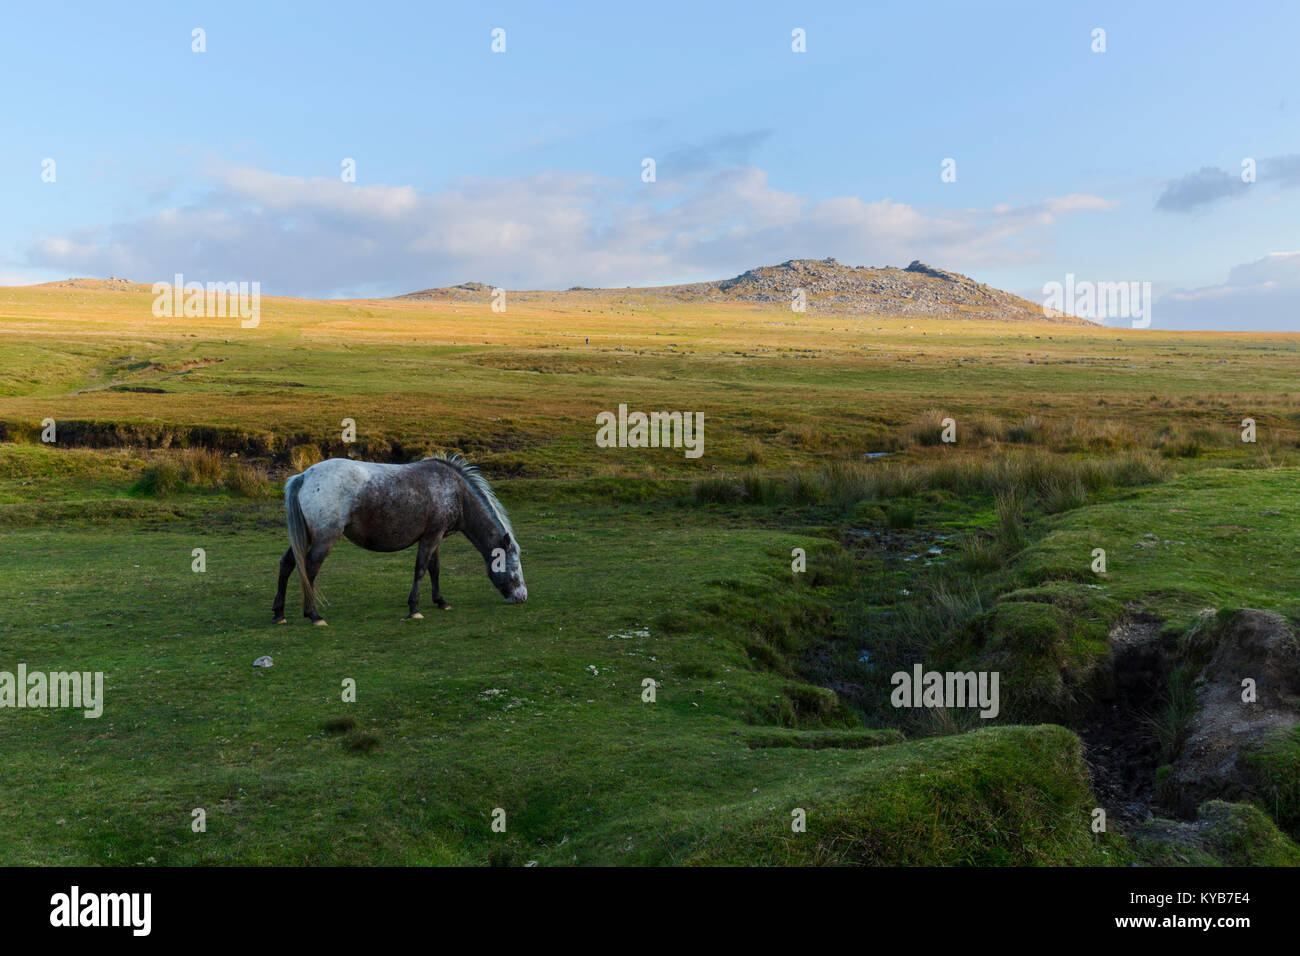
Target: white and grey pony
[389, 508]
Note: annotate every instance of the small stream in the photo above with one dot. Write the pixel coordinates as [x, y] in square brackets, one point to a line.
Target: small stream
[1120, 743]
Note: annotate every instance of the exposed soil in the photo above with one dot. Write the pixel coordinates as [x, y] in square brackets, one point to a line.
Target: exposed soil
[1122, 745]
[1226, 727]
[1119, 741]
[257, 446]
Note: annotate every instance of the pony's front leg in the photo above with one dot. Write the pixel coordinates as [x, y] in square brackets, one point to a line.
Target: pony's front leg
[433, 577]
[428, 548]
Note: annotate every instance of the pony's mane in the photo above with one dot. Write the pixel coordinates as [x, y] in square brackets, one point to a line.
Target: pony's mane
[479, 485]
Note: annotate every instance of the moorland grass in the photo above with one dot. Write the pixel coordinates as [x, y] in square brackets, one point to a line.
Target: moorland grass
[641, 565]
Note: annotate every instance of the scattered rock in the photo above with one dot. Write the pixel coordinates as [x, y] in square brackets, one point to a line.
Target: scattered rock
[636, 632]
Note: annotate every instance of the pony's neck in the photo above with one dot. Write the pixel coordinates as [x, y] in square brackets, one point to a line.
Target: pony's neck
[478, 524]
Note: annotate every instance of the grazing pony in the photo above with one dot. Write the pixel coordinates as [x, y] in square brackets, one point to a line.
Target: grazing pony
[389, 508]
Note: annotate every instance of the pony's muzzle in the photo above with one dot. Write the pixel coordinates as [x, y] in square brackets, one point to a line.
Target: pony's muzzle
[518, 596]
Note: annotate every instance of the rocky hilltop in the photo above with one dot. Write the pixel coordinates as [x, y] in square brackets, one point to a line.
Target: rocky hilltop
[919, 290]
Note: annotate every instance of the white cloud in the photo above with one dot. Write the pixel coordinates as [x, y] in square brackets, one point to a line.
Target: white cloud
[551, 230]
[1078, 202]
[1264, 295]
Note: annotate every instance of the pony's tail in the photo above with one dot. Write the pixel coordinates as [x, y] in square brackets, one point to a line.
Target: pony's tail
[299, 536]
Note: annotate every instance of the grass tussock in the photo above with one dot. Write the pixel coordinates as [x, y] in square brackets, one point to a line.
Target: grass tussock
[200, 469]
[359, 742]
[1193, 436]
[302, 457]
[804, 438]
[1009, 531]
[248, 481]
[900, 516]
[1055, 482]
[979, 553]
[1171, 722]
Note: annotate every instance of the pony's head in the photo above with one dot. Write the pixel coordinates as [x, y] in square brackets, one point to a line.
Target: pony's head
[505, 570]
[488, 526]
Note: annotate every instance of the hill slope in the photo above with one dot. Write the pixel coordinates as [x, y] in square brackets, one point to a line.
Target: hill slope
[829, 285]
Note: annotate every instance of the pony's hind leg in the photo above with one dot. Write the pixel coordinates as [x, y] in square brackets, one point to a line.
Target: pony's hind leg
[286, 569]
[315, 558]
[428, 548]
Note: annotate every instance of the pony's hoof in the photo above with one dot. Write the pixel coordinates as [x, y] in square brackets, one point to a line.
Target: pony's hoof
[279, 620]
[319, 622]
[415, 616]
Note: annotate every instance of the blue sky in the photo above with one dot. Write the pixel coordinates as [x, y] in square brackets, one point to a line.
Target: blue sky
[523, 168]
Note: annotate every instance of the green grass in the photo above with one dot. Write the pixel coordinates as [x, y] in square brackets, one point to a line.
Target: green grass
[536, 709]
[1224, 834]
[1013, 796]
[1216, 538]
[1277, 770]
